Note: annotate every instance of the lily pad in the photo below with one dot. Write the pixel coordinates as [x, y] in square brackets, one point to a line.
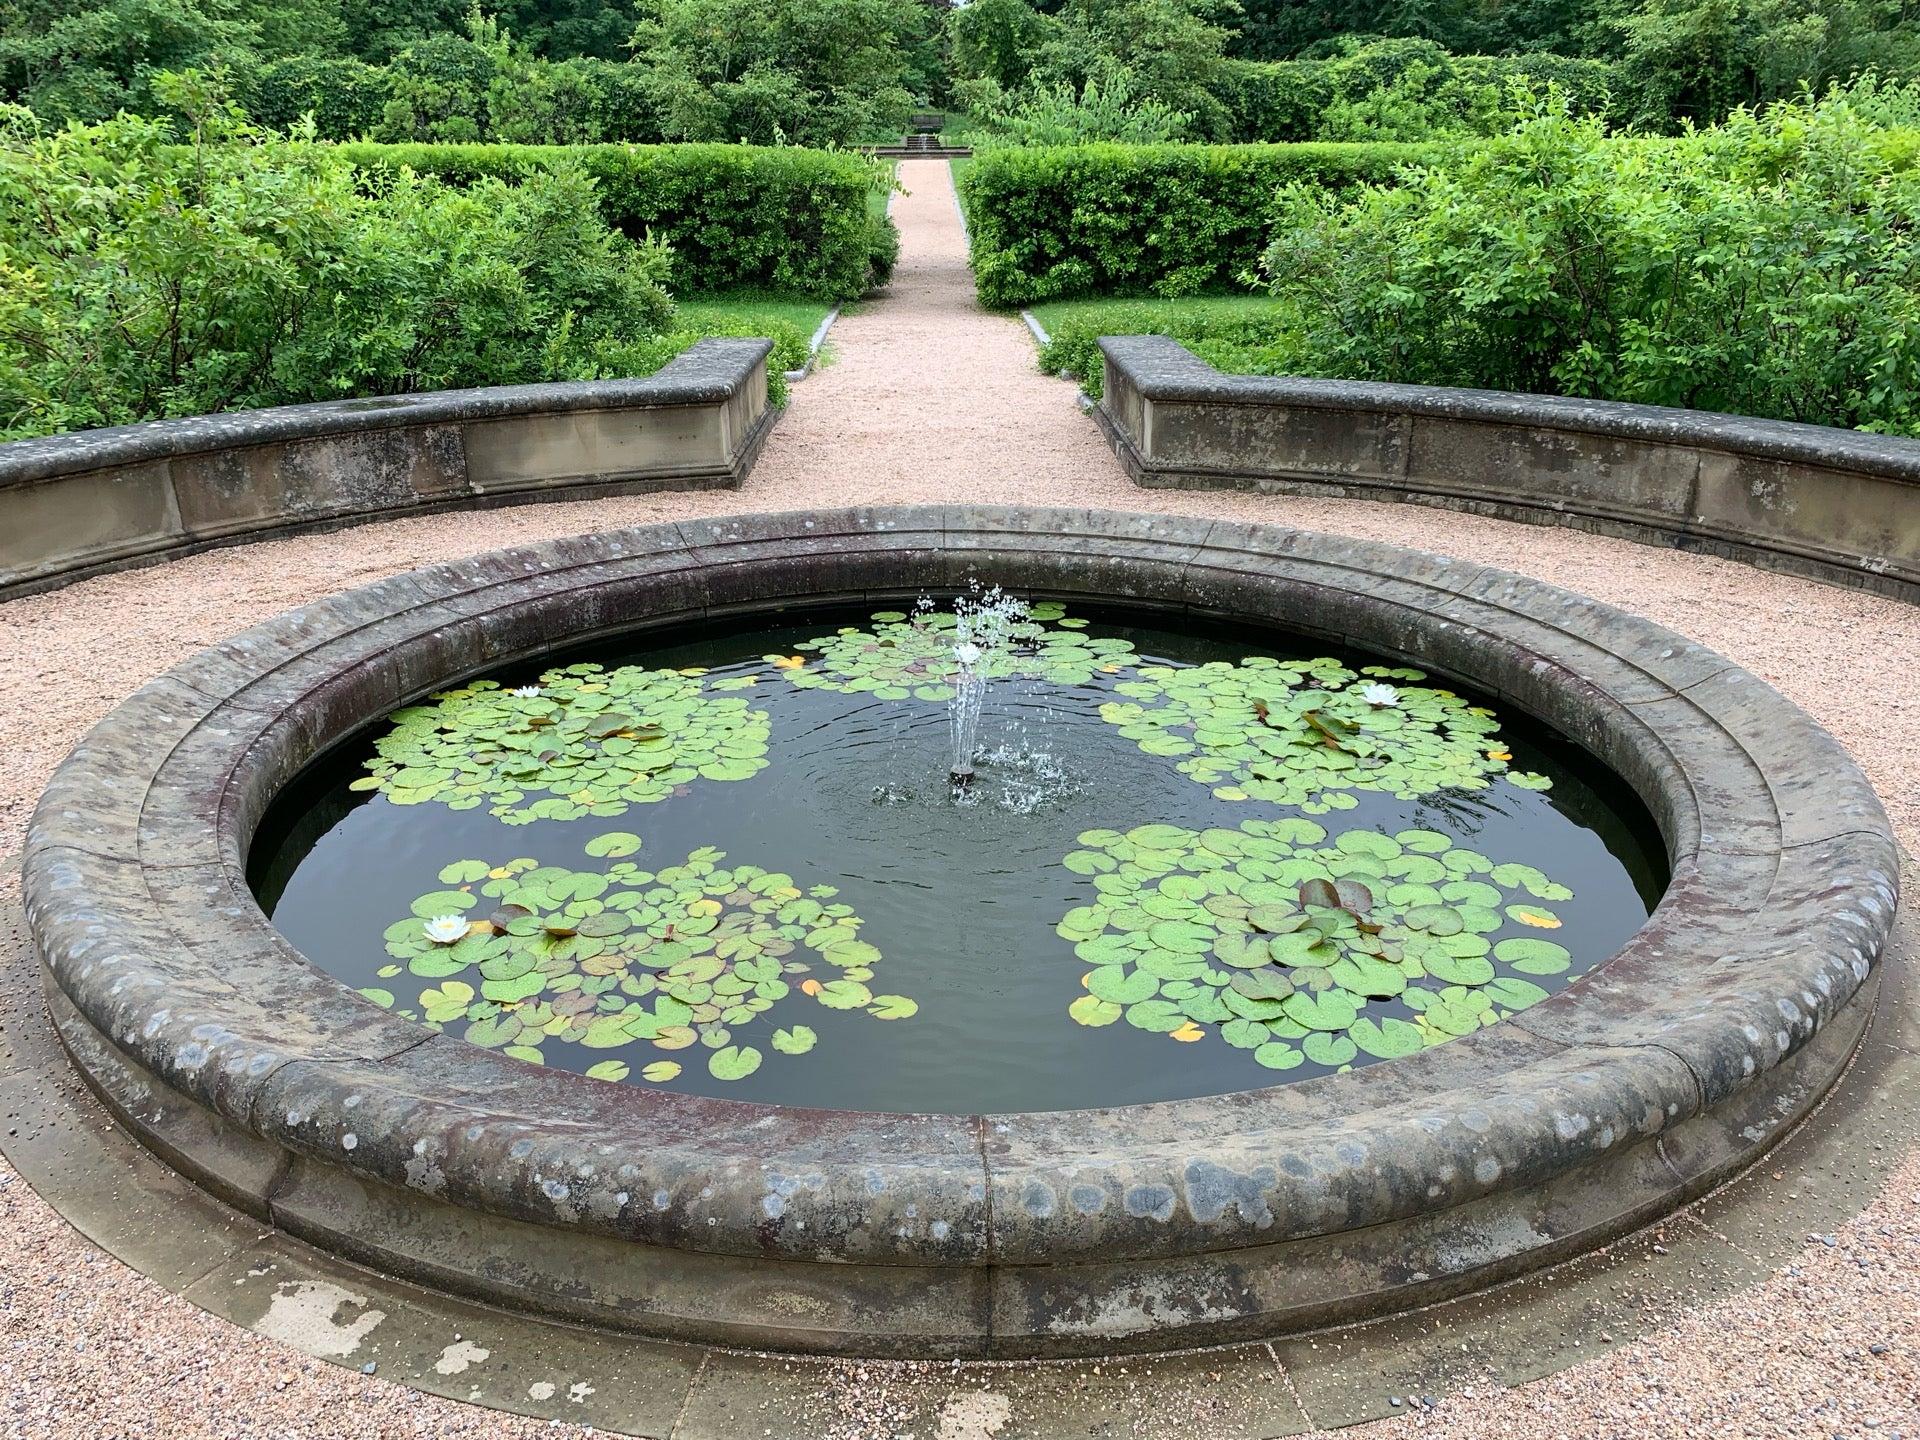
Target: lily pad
[1092, 1010]
[623, 959]
[901, 654]
[1275, 934]
[585, 740]
[1533, 957]
[1306, 733]
[733, 1062]
[794, 1040]
[615, 843]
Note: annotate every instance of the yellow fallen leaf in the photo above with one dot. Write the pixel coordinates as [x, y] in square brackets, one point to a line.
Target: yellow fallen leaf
[499, 872]
[1187, 1033]
[1499, 754]
[1085, 981]
[790, 662]
[1539, 919]
[810, 987]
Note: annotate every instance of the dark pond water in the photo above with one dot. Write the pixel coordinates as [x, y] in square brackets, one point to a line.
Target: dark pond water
[962, 900]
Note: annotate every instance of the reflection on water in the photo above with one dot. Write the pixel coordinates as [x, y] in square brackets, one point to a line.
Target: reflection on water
[960, 898]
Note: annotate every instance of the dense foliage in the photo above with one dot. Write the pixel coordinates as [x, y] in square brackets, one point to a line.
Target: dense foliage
[1166, 219]
[1406, 90]
[839, 72]
[1239, 334]
[1274, 70]
[479, 84]
[807, 72]
[551, 71]
[783, 219]
[1287, 29]
[1770, 266]
[1696, 60]
[145, 279]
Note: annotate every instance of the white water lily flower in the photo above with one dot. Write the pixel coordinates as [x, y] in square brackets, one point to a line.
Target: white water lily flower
[1377, 694]
[526, 692]
[445, 929]
[967, 654]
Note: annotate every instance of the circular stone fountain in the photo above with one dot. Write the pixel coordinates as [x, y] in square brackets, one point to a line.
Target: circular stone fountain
[363, 1123]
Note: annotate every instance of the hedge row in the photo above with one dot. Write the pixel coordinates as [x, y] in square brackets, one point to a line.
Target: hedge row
[1050, 224]
[737, 216]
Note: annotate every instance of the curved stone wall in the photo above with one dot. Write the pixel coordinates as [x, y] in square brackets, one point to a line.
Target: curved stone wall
[1837, 505]
[1296, 1206]
[76, 505]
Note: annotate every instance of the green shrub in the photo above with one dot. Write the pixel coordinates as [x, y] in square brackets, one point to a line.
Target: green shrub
[1770, 266]
[140, 278]
[736, 216]
[1275, 101]
[1163, 219]
[1403, 90]
[1101, 109]
[1242, 335]
[806, 72]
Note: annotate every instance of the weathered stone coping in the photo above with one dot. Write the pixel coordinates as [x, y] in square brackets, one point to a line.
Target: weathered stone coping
[1641, 1084]
[76, 505]
[1838, 505]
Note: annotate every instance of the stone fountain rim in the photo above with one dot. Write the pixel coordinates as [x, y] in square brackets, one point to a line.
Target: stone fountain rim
[170, 986]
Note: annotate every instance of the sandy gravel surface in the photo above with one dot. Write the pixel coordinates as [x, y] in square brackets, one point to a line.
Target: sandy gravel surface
[930, 399]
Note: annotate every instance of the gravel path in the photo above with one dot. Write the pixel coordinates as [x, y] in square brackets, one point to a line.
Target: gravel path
[930, 399]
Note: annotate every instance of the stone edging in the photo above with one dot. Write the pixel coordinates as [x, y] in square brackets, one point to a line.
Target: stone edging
[1837, 505]
[1300, 1205]
[818, 339]
[80, 504]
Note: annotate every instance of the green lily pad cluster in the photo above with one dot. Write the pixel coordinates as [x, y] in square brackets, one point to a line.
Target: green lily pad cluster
[1307, 733]
[1299, 948]
[627, 960]
[904, 655]
[585, 740]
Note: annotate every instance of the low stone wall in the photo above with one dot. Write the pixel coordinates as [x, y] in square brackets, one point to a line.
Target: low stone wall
[1838, 505]
[76, 505]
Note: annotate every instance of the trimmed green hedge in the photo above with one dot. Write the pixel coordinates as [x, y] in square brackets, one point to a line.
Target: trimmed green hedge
[1048, 224]
[737, 216]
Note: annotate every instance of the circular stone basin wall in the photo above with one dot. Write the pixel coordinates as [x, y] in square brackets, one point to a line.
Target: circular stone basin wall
[1188, 1221]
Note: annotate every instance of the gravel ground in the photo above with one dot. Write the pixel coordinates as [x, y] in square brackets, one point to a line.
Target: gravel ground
[90, 1349]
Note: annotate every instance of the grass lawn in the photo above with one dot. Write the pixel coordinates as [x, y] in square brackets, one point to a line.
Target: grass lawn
[787, 320]
[878, 199]
[963, 130]
[959, 167]
[1241, 334]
